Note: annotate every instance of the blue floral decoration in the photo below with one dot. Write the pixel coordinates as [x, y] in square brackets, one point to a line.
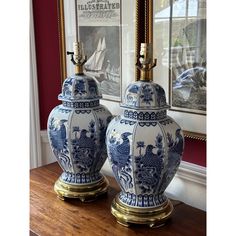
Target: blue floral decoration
[147, 94]
[80, 87]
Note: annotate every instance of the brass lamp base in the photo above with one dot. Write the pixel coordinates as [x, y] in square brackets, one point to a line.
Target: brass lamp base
[85, 192]
[154, 217]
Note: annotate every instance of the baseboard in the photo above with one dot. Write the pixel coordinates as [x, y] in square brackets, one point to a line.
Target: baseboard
[47, 155]
[188, 186]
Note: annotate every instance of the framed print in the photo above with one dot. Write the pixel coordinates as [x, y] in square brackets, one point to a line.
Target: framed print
[105, 29]
[180, 47]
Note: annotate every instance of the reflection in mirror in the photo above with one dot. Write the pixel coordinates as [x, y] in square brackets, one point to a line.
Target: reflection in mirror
[180, 27]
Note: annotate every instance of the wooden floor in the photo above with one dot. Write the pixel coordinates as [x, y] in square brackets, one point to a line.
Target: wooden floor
[51, 216]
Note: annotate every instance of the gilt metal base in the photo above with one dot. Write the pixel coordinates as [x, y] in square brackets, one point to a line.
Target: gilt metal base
[153, 217]
[85, 192]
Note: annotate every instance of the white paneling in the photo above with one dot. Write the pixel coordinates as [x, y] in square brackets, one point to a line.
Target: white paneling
[189, 185]
[47, 155]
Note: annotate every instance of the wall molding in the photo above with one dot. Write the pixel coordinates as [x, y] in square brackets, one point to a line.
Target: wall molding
[189, 184]
[44, 136]
[192, 172]
[35, 142]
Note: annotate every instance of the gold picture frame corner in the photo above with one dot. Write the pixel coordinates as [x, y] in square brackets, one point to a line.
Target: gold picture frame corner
[195, 135]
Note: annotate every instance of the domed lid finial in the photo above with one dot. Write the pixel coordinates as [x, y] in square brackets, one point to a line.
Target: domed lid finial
[145, 62]
[78, 57]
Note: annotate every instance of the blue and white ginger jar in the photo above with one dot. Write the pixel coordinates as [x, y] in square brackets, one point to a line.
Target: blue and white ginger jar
[144, 146]
[76, 131]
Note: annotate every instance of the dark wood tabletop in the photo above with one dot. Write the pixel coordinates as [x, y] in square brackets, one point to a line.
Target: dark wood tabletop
[52, 216]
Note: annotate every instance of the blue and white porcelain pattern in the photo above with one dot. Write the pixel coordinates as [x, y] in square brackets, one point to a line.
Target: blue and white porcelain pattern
[144, 146]
[77, 130]
[79, 87]
[146, 95]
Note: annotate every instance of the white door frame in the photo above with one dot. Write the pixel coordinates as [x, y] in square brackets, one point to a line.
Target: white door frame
[35, 139]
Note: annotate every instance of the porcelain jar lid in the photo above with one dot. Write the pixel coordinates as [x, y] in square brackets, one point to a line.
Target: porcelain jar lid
[144, 95]
[79, 87]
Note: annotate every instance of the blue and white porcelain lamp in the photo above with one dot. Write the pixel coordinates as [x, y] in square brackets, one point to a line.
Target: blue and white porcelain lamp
[76, 131]
[144, 148]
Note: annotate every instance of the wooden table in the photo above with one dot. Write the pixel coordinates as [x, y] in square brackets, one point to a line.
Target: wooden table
[51, 216]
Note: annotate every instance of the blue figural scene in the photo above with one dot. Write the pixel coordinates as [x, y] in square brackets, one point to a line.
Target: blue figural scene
[144, 177]
[59, 142]
[77, 130]
[144, 146]
[149, 165]
[120, 156]
[83, 147]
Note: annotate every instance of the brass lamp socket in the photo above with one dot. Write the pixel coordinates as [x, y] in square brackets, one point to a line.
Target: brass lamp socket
[79, 69]
[145, 62]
